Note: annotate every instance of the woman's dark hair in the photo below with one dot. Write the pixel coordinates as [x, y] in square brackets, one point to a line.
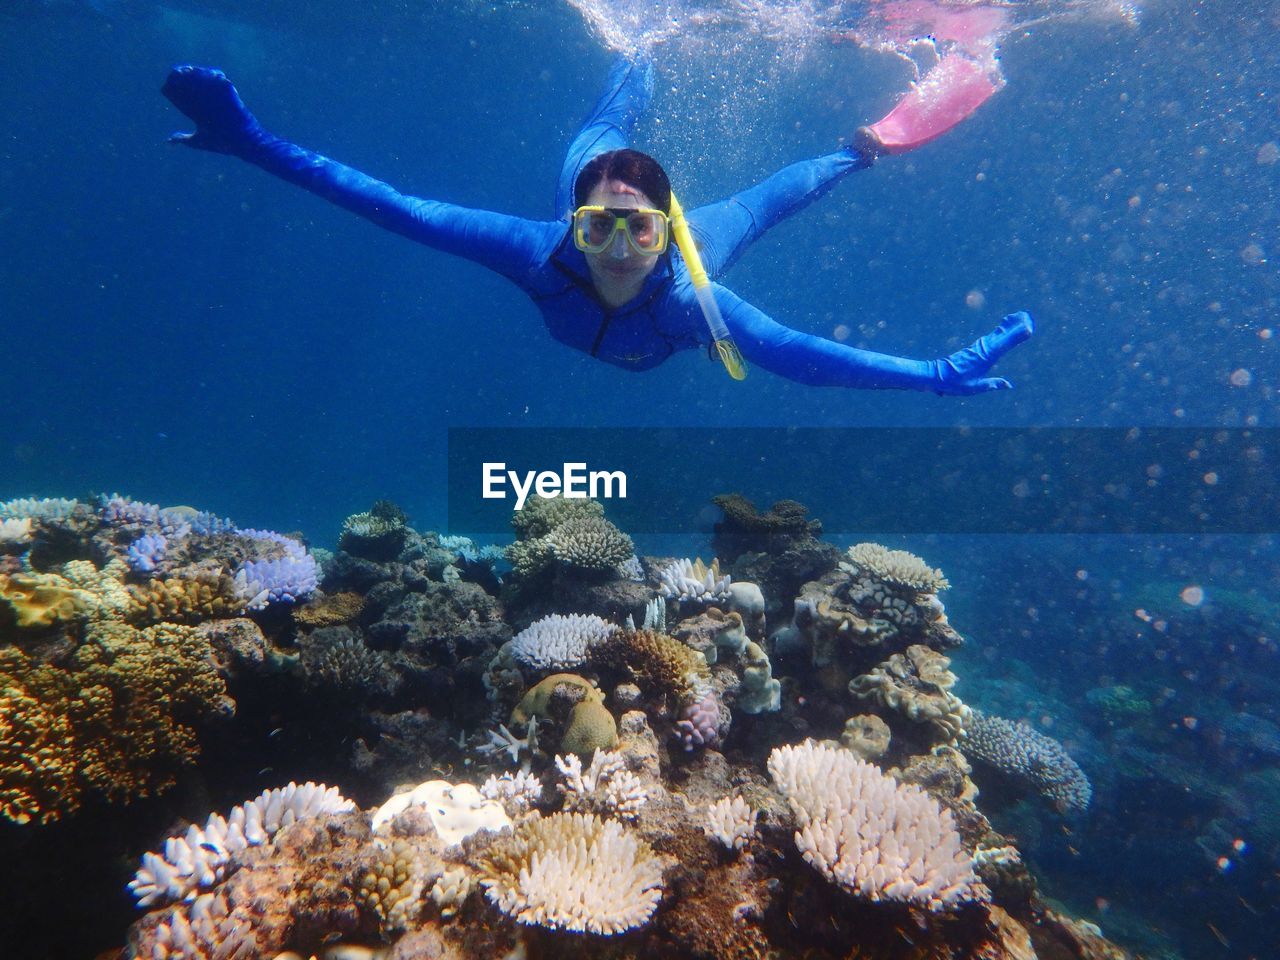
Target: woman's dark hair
[633, 168]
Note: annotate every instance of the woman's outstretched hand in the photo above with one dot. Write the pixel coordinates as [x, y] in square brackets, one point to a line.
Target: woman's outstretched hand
[964, 372]
[223, 123]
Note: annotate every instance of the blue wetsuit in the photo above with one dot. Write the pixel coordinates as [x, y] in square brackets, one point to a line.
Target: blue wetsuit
[541, 259]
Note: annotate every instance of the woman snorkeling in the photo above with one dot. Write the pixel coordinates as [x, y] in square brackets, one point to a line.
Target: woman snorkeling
[604, 274]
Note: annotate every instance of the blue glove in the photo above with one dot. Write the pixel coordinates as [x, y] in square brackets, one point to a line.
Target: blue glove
[223, 123]
[963, 373]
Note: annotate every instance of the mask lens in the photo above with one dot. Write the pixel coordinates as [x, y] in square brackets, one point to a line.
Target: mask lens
[599, 228]
[645, 231]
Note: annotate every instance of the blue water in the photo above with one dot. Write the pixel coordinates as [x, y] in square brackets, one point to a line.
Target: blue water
[185, 329]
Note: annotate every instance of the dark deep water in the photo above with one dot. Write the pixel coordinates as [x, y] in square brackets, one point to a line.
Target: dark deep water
[185, 329]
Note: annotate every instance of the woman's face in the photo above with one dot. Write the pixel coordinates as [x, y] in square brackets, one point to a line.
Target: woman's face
[620, 268]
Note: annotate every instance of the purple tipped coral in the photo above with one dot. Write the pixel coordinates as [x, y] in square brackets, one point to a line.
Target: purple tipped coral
[699, 723]
[147, 551]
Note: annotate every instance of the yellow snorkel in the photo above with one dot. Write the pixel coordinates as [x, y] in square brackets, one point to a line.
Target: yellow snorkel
[728, 350]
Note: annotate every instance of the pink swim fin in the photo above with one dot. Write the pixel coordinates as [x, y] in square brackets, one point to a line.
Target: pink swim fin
[953, 89]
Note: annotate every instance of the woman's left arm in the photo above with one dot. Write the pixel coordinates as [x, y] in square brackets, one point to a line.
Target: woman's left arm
[819, 362]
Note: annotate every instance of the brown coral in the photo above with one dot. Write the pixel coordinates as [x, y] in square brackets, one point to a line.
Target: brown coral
[207, 596]
[916, 685]
[658, 661]
[329, 611]
[116, 718]
[37, 760]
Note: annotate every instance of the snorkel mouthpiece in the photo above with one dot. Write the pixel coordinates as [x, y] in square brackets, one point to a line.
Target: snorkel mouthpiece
[728, 351]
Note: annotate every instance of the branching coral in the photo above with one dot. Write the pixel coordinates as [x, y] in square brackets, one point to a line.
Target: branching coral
[559, 642]
[876, 838]
[731, 822]
[590, 544]
[1029, 756]
[606, 787]
[693, 580]
[572, 871]
[202, 856]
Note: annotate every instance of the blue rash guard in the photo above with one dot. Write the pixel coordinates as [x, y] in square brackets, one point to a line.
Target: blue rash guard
[541, 259]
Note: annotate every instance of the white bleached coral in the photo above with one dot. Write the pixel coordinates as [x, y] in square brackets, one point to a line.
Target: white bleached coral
[520, 791]
[15, 532]
[876, 838]
[573, 871]
[201, 857]
[693, 580]
[558, 643]
[731, 822]
[897, 567]
[605, 787]
[456, 810]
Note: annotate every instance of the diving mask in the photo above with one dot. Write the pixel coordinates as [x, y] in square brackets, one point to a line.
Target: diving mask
[596, 229]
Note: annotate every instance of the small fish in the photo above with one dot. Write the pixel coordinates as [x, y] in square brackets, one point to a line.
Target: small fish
[1218, 933]
[265, 770]
[277, 730]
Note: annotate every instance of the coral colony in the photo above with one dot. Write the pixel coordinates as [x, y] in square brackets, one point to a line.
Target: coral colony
[774, 763]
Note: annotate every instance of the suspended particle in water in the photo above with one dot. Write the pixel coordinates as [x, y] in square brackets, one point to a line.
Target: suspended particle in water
[1211, 478]
[975, 299]
[1241, 377]
[1268, 153]
[1224, 864]
[1253, 254]
[1192, 596]
[841, 332]
[1266, 333]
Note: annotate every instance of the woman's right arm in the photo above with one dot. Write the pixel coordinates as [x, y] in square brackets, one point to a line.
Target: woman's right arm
[509, 245]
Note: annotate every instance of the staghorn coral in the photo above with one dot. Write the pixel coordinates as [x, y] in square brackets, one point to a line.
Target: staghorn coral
[559, 643]
[917, 686]
[572, 871]
[606, 787]
[589, 544]
[731, 822]
[516, 793]
[202, 856]
[876, 838]
[1028, 756]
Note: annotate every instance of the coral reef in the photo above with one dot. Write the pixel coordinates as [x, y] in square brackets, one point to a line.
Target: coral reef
[667, 801]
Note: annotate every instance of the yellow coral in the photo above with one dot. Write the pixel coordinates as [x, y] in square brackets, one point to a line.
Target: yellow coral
[210, 596]
[37, 759]
[139, 691]
[40, 600]
[590, 725]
